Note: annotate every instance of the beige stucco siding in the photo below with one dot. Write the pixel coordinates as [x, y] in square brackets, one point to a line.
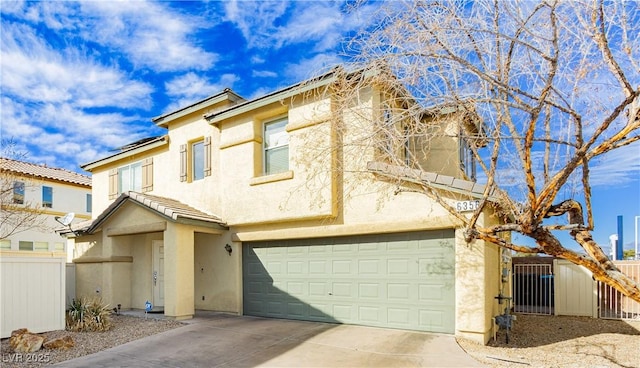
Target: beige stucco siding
[252, 197]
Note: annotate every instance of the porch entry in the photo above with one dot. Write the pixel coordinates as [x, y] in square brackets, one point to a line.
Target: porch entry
[158, 274]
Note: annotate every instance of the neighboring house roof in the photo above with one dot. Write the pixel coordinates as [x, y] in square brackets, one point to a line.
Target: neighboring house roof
[43, 172]
[128, 150]
[171, 209]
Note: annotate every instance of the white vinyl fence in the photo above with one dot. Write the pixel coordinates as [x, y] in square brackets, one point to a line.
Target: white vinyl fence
[563, 288]
[32, 292]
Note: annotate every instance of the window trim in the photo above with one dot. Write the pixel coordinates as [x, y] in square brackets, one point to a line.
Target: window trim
[187, 159]
[196, 147]
[88, 202]
[131, 176]
[265, 141]
[18, 192]
[49, 203]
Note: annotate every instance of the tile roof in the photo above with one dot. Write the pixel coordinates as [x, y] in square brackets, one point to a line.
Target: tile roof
[43, 171]
[432, 179]
[170, 208]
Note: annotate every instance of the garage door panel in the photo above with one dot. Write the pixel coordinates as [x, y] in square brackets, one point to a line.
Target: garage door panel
[341, 267]
[393, 280]
[398, 267]
[369, 290]
[370, 314]
[369, 267]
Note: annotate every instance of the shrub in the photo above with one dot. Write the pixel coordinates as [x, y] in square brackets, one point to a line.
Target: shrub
[88, 314]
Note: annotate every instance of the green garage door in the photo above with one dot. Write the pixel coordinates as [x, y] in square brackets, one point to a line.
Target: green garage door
[403, 280]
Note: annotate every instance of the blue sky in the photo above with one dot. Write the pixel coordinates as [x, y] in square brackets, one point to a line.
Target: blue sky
[80, 79]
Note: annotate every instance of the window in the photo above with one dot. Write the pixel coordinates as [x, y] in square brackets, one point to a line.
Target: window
[18, 192]
[137, 177]
[25, 245]
[58, 247]
[47, 196]
[5, 244]
[41, 246]
[89, 204]
[467, 161]
[276, 147]
[195, 160]
[130, 178]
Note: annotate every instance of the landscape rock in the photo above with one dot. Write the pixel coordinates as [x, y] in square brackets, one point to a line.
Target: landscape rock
[62, 343]
[23, 341]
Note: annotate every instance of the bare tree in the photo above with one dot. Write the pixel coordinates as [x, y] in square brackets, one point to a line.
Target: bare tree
[543, 89]
[17, 212]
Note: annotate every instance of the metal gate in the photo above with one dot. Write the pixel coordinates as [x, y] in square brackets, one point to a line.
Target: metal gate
[613, 304]
[533, 288]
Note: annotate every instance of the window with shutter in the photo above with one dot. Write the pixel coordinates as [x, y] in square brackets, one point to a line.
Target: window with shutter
[207, 156]
[147, 175]
[183, 162]
[113, 183]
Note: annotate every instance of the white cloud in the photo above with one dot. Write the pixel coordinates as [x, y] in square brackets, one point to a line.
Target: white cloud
[257, 20]
[619, 167]
[264, 74]
[187, 89]
[31, 70]
[276, 24]
[311, 67]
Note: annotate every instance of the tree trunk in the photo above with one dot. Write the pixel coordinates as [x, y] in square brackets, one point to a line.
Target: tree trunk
[602, 268]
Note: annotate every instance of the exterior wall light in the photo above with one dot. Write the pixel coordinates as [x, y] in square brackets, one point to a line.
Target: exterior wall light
[228, 248]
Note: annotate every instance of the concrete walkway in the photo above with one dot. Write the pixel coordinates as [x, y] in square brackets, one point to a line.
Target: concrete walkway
[222, 340]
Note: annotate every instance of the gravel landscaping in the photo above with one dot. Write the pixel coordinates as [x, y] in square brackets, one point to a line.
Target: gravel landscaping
[562, 341]
[125, 328]
[535, 341]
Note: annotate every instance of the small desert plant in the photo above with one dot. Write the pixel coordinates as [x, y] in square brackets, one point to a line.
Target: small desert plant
[87, 314]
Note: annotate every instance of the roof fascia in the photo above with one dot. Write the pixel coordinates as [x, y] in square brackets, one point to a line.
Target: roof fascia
[164, 140]
[120, 201]
[227, 94]
[268, 99]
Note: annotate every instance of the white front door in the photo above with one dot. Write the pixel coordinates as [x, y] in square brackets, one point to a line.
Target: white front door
[158, 273]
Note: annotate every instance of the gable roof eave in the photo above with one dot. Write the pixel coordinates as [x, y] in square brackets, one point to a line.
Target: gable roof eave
[226, 94]
[177, 213]
[135, 150]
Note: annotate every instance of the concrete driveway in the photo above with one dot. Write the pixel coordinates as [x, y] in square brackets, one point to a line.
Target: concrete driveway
[222, 340]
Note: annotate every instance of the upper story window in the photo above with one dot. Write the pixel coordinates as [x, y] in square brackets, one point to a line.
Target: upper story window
[137, 177]
[467, 161]
[195, 160]
[47, 196]
[130, 178]
[18, 192]
[276, 147]
[89, 202]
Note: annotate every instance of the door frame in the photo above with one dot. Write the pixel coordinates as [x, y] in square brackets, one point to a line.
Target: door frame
[155, 267]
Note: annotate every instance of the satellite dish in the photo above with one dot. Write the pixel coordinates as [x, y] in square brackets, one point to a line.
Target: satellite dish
[66, 219]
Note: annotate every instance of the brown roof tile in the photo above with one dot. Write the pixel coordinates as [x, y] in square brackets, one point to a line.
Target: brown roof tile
[43, 171]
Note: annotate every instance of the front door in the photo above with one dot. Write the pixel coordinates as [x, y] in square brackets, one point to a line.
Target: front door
[158, 273]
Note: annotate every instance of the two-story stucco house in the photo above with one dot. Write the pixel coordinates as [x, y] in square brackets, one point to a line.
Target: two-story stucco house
[33, 256]
[233, 211]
